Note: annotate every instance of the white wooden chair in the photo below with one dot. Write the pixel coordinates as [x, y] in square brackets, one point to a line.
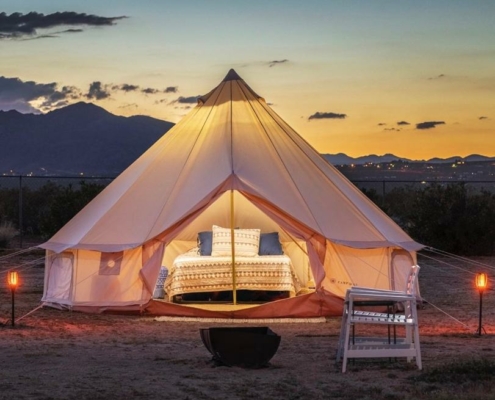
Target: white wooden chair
[411, 282]
[351, 346]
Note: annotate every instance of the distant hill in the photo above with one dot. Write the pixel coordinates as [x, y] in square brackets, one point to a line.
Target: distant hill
[81, 137]
[343, 159]
[85, 138]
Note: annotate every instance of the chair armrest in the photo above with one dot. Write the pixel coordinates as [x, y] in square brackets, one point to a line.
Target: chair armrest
[372, 290]
[381, 296]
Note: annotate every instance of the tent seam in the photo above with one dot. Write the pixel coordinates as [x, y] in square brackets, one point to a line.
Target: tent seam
[186, 161]
[371, 224]
[279, 157]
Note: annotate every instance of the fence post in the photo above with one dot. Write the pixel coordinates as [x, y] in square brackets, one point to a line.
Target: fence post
[383, 192]
[20, 211]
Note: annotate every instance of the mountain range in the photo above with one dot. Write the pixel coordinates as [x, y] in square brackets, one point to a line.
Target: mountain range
[80, 138]
[344, 159]
[84, 138]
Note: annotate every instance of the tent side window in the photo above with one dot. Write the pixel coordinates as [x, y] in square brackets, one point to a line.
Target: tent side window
[110, 263]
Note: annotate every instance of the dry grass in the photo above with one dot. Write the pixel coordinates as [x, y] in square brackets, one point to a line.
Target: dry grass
[63, 355]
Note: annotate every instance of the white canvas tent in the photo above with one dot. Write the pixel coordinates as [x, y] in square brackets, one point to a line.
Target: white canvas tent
[232, 161]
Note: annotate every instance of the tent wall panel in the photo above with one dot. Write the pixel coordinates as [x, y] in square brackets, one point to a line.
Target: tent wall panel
[93, 288]
[346, 267]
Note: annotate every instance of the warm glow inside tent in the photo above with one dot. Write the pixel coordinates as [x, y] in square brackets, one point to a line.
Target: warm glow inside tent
[231, 162]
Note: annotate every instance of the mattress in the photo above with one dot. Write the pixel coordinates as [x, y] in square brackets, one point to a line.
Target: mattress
[192, 273]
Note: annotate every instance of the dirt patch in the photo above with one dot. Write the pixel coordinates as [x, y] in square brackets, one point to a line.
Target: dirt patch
[54, 354]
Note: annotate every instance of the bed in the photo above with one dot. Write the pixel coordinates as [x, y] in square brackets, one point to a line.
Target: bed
[194, 273]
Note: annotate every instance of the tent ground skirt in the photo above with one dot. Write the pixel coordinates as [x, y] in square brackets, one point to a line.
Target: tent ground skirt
[317, 304]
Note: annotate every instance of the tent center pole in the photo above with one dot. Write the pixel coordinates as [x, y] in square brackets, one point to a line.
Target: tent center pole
[232, 243]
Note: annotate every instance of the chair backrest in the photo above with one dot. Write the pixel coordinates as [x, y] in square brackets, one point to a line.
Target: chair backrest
[412, 280]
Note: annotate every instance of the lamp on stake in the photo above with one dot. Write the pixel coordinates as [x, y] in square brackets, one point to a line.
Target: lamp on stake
[481, 283]
[13, 281]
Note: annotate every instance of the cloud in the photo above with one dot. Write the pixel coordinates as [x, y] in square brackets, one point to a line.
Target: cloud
[441, 76]
[60, 98]
[150, 91]
[19, 95]
[126, 87]
[129, 105]
[326, 115]
[33, 97]
[169, 89]
[381, 123]
[403, 123]
[482, 117]
[186, 100]
[72, 31]
[18, 25]
[40, 37]
[429, 124]
[277, 62]
[100, 91]
[97, 91]
[392, 129]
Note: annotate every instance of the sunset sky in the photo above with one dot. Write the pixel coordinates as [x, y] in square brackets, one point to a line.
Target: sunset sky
[412, 78]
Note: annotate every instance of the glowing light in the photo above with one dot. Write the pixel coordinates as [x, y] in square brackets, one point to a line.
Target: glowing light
[13, 279]
[481, 281]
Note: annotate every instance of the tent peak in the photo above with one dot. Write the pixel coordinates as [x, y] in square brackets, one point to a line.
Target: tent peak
[232, 76]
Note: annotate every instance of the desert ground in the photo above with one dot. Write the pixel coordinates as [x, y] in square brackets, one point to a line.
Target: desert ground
[53, 354]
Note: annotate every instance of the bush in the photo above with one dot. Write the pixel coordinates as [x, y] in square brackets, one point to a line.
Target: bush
[450, 218]
[64, 205]
[48, 208]
[7, 232]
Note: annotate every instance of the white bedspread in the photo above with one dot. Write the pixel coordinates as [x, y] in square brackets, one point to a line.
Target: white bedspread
[192, 273]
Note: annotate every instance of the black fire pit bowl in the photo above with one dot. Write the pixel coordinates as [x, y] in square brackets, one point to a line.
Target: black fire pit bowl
[246, 347]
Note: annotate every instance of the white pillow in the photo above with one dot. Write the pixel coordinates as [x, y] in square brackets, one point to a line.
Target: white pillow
[246, 241]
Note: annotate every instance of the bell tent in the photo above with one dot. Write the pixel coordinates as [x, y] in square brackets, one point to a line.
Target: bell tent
[232, 162]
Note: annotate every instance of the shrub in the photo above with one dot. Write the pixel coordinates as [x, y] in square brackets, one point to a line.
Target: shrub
[65, 204]
[448, 217]
[7, 232]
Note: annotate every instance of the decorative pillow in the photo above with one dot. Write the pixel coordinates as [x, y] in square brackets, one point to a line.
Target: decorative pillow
[247, 242]
[204, 243]
[270, 245]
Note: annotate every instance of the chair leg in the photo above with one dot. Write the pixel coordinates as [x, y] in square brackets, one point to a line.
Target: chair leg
[342, 332]
[346, 344]
[409, 339]
[417, 346]
[418, 355]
